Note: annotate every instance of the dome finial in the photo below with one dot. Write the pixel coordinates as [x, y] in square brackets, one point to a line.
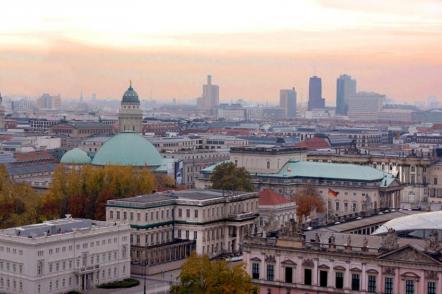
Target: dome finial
[130, 84]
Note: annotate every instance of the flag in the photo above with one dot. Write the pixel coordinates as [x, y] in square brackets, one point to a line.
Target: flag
[332, 193]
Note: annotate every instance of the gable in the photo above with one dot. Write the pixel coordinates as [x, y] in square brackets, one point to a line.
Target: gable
[409, 254]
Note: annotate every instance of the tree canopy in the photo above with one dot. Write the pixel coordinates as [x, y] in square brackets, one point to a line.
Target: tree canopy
[226, 176]
[19, 203]
[201, 275]
[84, 192]
[308, 201]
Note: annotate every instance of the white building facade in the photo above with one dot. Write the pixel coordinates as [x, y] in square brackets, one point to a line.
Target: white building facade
[63, 255]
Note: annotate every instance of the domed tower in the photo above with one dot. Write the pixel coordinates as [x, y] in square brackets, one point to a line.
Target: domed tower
[130, 116]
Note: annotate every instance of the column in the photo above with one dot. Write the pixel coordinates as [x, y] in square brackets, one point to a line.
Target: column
[363, 278]
[236, 249]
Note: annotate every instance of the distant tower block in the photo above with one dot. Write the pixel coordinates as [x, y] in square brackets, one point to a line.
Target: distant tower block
[130, 116]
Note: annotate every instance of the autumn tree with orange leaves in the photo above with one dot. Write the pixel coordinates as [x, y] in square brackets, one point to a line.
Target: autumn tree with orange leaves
[308, 201]
[84, 192]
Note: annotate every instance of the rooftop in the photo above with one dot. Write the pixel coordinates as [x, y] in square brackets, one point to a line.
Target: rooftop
[422, 221]
[270, 197]
[53, 227]
[325, 170]
[193, 197]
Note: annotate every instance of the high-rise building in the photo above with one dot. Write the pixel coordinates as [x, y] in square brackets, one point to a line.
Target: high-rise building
[365, 106]
[345, 88]
[210, 97]
[130, 116]
[47, 101]
[315, 99]
[287, 101]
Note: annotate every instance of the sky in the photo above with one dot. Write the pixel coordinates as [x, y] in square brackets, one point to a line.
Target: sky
[252, 48]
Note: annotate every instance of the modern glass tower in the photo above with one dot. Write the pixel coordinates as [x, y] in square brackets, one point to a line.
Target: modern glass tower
[345, 88]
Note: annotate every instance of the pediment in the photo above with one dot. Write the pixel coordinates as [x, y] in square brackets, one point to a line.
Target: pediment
[409, 254]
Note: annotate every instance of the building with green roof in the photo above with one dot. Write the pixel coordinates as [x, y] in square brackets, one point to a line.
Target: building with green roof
[75, 156]
[347, 189]
[128, 149]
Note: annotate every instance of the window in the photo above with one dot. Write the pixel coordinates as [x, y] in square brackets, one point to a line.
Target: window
[196, 213]
[255, 270]
[431, 287]
[187, 212]
[323, 277]
[339, 280]
[355, 284]
[180, 212]
[270, 272]
[337, 205]
[409, 287]
[307, 276]
[111, 214]
[289, 274]
[371, 287]
[195, 235]
[268, 164]
[388, 287]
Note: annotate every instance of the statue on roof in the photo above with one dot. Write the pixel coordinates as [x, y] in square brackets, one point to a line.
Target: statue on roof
[433, 243]
[389, 240]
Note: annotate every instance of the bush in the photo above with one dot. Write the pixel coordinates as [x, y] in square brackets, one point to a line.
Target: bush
[126, 283]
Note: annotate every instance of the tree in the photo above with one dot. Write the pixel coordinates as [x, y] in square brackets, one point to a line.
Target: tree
[226, 176]
[84, 192]
[19, 203]
[307, 201]
[201, 275]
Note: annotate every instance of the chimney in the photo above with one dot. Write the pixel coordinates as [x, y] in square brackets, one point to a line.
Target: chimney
[209, 80]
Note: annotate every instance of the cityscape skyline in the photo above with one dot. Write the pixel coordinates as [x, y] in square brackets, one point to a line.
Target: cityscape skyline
[384, 46]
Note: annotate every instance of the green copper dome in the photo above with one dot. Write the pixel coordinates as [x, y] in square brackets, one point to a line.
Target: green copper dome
[128, 149]
[130, 96]
[75, 156]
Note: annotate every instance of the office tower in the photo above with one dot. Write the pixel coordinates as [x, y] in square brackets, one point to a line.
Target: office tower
[365, 106]
[315, 99]
[210, 97]
[287, 101]
[345, 88]
[47, 101]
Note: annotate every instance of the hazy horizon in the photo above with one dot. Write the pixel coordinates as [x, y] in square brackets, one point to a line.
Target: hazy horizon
[251, 48]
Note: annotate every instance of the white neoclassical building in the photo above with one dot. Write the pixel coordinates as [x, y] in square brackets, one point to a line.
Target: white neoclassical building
[168, 226]
[63, 255]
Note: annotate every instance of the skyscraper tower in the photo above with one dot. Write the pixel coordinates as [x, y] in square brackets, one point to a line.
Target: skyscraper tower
[130, 117]
[210, 97]
[315, 99]
[287, 101]
[345, 88]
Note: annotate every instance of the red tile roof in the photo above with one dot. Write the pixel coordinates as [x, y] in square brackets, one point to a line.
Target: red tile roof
[33, 156]
[314, 143]
[270, 197]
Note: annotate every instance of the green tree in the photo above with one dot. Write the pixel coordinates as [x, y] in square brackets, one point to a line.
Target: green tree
[226, 176]
[200, 275]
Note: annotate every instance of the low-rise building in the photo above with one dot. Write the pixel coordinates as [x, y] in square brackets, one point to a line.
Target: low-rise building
[265, 159]
[347, 190]
[63, 255]
[168, 226]
[321, 261]
[275, 209]
[194, 161]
